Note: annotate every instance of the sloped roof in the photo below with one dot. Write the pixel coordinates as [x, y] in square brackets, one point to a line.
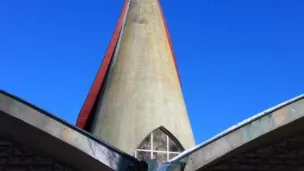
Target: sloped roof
[242, 133]
[43, 132]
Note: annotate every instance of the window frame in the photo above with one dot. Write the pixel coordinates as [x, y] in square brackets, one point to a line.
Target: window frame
[151, 150]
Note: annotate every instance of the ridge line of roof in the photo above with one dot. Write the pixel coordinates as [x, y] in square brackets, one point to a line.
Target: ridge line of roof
[236, 126]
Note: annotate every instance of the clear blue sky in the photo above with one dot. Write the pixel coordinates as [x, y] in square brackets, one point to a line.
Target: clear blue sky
[235, 57]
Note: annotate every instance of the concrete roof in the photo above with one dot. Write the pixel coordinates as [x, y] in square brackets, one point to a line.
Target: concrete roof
[267, 126]
[30, 126]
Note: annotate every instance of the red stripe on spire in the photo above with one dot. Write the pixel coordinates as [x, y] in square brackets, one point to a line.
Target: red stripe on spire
[87, 107]
[169, 38]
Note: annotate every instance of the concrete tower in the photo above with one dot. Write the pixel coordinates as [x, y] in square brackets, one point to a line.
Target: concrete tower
[136, 102]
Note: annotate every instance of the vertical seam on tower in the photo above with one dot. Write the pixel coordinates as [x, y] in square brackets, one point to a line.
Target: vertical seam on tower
[120, 37]
[114, 58]
[99, 80]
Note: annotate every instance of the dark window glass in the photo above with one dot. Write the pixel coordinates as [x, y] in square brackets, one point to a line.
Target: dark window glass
[160, 157]
[174, 147]
[172, 155]
[142, 155]
[146, 143]
[159, 140]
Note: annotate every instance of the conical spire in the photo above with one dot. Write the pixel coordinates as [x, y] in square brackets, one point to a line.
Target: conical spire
[137, 89]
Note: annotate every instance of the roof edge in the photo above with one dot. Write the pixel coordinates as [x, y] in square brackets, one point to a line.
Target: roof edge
[81, 131]
[235, 127]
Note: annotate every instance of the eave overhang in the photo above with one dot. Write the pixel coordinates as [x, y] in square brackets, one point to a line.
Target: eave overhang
[270, 125]
[40, 131]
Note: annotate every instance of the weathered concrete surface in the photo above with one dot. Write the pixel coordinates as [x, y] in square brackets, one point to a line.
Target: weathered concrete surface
[143, 91]
[88, 106]
[34, 128]
[282, 122]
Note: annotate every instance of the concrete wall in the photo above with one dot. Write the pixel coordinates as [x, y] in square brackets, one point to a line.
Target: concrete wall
[143, 90]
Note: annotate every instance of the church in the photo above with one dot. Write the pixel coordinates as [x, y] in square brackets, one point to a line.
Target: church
[135, 117]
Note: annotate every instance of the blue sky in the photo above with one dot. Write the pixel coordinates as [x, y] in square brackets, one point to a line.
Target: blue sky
[235, 57]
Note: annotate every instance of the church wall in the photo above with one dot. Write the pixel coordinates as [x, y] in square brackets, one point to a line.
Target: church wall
[15, 157]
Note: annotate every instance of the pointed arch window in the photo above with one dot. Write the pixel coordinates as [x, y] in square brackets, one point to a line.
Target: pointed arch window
[159, 145]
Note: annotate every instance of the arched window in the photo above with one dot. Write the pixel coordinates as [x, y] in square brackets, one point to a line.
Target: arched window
[159, 145]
